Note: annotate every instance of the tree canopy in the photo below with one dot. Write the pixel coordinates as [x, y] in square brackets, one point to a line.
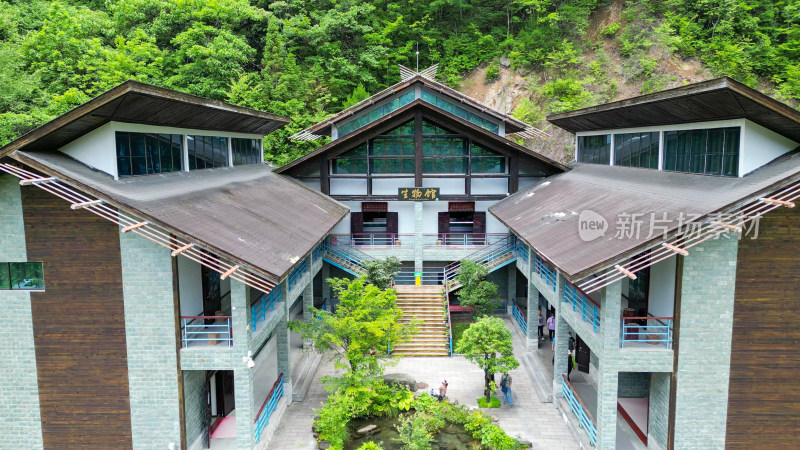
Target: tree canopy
[475, 290]
[487, 344]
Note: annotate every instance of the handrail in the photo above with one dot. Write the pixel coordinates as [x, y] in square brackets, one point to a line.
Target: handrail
[449, 323]
[258, 310]
[585, 419]
[262, 420]
[194, 329]
[297, 273]
[206, 317]
[632, 331]
[521, 321]
[545, 271]
[589, 310]
[485, 257]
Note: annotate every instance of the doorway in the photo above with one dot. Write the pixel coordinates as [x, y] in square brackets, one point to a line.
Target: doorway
[583, 355]
[212, 297]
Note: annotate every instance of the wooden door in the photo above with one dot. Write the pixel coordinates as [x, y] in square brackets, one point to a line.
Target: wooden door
[582, 355]
[207, 431]
[226, 401]
[356, 224]
[444, 224]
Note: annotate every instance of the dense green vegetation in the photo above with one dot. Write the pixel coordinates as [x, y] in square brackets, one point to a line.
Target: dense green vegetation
[307, 59]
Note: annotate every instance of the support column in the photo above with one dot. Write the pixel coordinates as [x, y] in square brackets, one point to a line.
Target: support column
[326, 288]
[308, 292]
[242, 375]
[418, 237]
[607, 385]
[283, 334]
[532, 341]
[560, 354]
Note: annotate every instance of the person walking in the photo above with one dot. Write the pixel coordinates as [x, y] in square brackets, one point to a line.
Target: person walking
[540, 322]
[551, 326]
[505, 386]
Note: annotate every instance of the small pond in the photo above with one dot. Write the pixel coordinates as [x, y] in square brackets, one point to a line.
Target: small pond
[452, 437]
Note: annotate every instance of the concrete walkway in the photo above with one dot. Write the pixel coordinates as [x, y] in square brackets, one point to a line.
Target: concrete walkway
[528, 419]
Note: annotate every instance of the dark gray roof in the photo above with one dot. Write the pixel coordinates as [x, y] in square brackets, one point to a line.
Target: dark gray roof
[718, 99]
[546, 215]
[246, 213]
[135, 102]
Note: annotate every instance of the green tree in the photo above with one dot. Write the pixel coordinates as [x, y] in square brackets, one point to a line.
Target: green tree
[366, 319]
[475, 290]
[381, 273]
[358, 94]
[487, 343]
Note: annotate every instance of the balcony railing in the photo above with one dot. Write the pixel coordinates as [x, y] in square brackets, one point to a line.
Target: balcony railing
[520, 318]
[267, 302]
[646, 330]
[195, 331]
[545, 271]
[588, 310]
[389, 241]
[581, 412]
[269, 406]
[297, 273]
[429, 276]
[317, 253]
[374, 241]
[461, 240]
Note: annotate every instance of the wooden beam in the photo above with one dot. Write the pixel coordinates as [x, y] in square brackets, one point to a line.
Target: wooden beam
[676, 249]
[729, 226]
[229, 272]
[778, 202]
[625, 271]
[36, 181]
[134, 227]
[85, 204]
[181, 249]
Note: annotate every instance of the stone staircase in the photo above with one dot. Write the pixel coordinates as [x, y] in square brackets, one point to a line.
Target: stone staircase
[426, 304]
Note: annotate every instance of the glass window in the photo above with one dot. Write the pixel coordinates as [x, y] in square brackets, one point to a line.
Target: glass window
[447, 105]
[206, 152]
[377, 113]
[21, 275]
[493, 164]
[636, 150]
[393, 146]
[709, 151]
[392, 165]
[349, 165]
[246, 151]
[148, 153]
[446, 146]
[595, 149]
[444, 165]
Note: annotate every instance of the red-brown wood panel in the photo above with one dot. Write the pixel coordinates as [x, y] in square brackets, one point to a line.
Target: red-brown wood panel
[764, 398]
[78, 325]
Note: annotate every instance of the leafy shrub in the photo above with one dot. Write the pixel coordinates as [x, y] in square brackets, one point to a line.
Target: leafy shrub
[528, 112]
[492, 72]
[494, 403]
[370, 446]
[610, 30]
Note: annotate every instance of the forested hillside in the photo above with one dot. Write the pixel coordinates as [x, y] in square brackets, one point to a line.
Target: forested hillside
[308, 59]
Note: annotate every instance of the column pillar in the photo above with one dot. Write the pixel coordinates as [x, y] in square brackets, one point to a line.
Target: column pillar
[532, 341]
[283, 334]
[560, 354]
[242, 375]
[326, 288]
[308, 291]
[607, 385]
[512, 286]
[418, 237]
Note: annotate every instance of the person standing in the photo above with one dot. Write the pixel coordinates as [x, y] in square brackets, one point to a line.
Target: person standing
[571, 343]
[505, 386]
[540, 322]
[551, 326]
[570, 364]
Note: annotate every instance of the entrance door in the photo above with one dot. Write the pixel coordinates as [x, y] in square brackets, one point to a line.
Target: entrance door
[582, 355]
[225, 395]
[207, 432]
[212, 298]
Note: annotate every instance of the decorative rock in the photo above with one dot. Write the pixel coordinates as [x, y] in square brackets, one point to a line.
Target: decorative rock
[422, 385]
[402, 379]
[369, 429]
[324, 445]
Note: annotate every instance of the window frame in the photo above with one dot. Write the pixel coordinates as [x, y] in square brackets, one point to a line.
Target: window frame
[150, 161]
[8, 269]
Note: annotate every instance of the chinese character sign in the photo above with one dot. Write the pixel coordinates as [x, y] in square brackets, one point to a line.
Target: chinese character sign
[418, 194]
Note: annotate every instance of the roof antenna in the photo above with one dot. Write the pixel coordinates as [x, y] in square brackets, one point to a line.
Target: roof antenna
[417, 56]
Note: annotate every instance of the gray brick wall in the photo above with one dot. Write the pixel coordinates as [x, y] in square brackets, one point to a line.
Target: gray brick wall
[19, 388]
[659, 410]
[633, 385]
[704, 348]
[150, 333]
[194, 403]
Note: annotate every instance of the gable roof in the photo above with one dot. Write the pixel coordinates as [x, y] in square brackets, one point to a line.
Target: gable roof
[718, 99]
[136, 102]
[547, 216]
[406, 112]
[323, 128]
[246, 213]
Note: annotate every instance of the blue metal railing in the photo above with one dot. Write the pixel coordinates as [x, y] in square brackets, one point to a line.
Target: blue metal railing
[492, 257]
[195, 330]
[269, 406]
[388, 348]
[317, 252]
[581, 412]
[521, 321]
[521, 250]
[345, 257]
[297, 273]
[583, 305]
[430, 275]
[657, 331]
[547, 273]
[258, 310]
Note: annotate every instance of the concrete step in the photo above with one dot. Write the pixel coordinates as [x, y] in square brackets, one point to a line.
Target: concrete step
[422, 353]
[304, 375]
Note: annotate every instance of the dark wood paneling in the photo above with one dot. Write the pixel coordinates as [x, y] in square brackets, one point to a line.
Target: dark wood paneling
[78, 325]
[764, 399]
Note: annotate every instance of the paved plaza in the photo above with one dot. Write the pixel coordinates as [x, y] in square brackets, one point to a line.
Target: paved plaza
[528, 419]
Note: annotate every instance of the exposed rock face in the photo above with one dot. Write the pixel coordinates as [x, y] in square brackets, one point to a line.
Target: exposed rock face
[402, 379]
[367, 430]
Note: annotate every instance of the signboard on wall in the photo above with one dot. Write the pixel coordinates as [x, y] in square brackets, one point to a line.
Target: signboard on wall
[417, 194]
